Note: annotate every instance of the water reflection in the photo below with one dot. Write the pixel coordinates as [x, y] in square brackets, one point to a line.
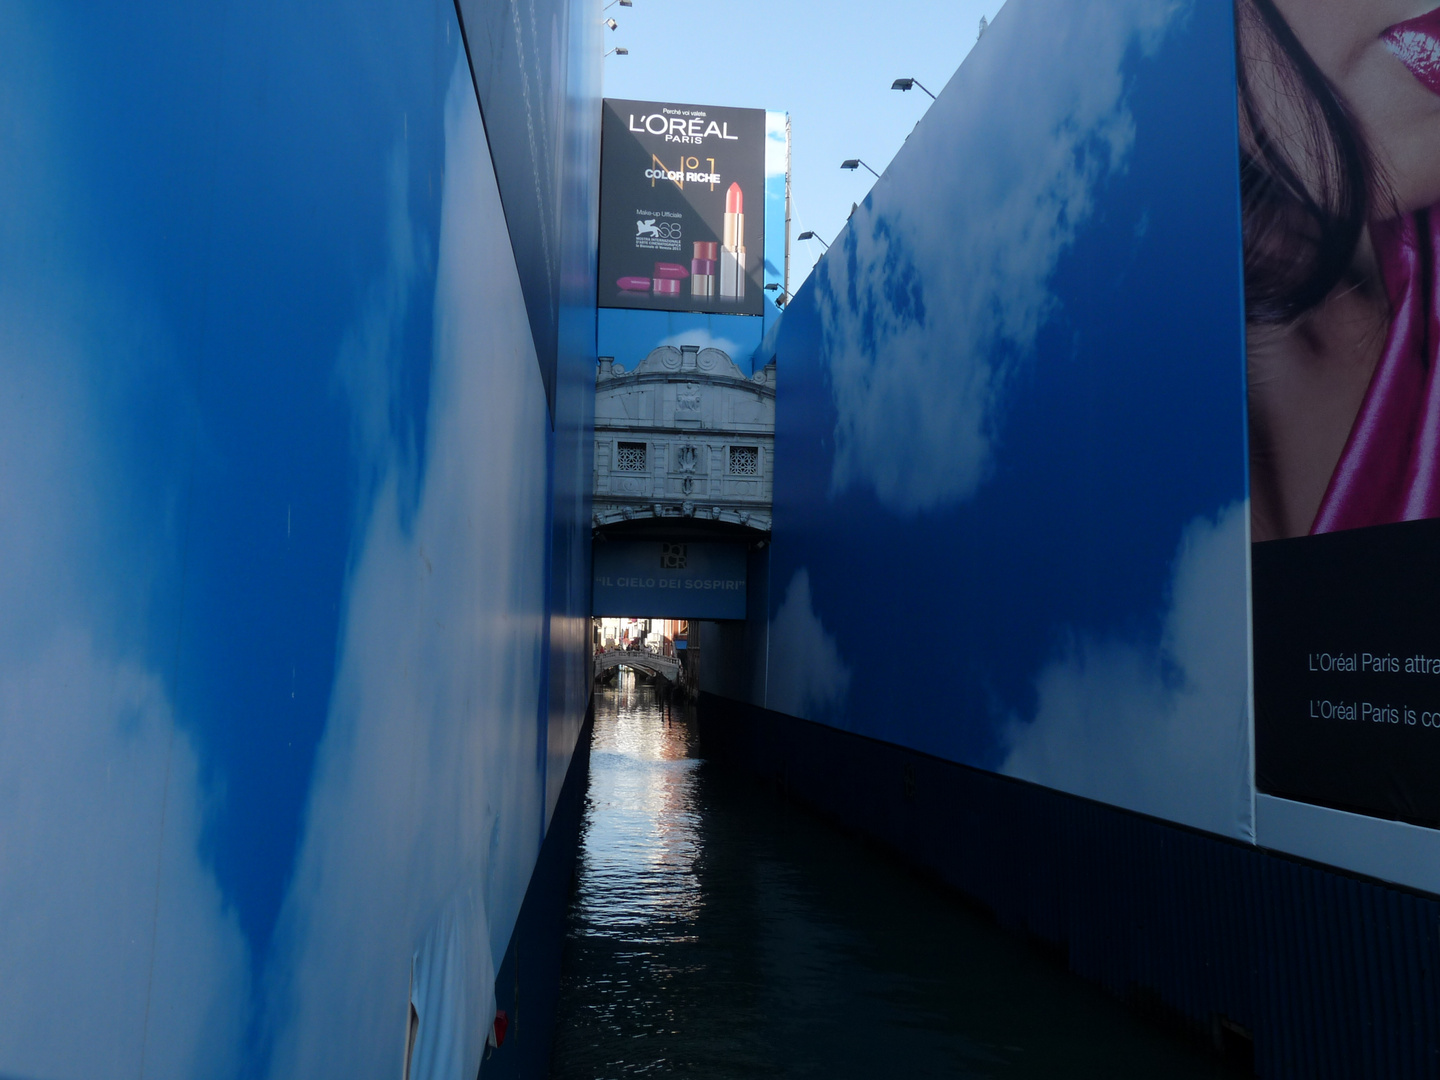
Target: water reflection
[643, 828]
[717, 931]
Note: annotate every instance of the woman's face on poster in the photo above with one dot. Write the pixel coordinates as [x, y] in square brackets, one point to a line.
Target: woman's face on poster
[1384, 58]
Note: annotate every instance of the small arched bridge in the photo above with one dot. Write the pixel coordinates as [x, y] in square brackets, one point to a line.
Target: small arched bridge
[667, 667]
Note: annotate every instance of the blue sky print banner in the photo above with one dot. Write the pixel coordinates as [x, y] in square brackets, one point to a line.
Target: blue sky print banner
[777, 159]
[1011, 484]
[273, 457]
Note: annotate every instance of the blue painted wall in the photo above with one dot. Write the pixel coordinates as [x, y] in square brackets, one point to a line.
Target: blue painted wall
[294, 563]
[1010, 502]
[577, 119]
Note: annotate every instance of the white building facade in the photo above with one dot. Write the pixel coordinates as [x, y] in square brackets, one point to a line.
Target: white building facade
[687, 434]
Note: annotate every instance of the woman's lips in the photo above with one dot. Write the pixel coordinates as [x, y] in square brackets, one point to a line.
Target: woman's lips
[1416, 44]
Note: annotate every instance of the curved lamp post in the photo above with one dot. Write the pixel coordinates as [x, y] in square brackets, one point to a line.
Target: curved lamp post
[906, 84]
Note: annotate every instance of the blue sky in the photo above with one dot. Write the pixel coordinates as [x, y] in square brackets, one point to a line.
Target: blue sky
[830, 65]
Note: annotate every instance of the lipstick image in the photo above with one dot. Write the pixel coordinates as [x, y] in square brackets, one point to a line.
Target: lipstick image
[702, 268]
[732, 249]
[667, 278]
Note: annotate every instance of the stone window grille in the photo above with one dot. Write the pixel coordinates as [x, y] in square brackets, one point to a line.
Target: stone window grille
[630, 457]
[744, 460]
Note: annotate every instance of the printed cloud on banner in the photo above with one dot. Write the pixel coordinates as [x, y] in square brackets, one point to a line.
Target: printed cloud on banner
[807, 677]
[704, 339]
[774, 145]
[119, 951]
[419, 836]
[120, 947]
[1166, 730]
[919, 361]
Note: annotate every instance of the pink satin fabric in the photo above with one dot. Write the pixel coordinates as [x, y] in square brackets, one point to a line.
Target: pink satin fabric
[1390, 468]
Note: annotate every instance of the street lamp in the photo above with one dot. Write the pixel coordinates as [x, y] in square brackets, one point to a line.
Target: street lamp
[906, 84]
[854, 163]
[612, 24]
[619, 50]
[809, 235]
[622, 3]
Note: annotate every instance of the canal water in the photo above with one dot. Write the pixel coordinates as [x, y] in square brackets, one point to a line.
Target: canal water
[717, 930]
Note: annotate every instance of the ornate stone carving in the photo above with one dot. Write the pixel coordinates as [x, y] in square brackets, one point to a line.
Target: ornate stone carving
[687, 399]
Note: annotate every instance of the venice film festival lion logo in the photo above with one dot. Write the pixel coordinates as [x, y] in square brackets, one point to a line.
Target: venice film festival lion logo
[664, 230]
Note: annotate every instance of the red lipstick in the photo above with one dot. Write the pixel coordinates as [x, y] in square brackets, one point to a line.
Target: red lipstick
[1416, 44]
[732, 249]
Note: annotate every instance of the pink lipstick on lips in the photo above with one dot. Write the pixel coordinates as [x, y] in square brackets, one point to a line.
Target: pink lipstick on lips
[1416, 44]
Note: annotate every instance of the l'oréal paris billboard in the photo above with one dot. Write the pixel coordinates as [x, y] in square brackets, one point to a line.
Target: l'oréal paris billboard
[1340, 163]
[675, 183]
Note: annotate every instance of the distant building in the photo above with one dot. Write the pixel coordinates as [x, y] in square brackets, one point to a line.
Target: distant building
[686, 434]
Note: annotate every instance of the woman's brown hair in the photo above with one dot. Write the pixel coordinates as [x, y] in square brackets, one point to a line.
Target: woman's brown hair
[1306, 176]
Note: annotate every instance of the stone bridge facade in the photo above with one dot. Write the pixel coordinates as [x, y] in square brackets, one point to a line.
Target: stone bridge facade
[685, 435]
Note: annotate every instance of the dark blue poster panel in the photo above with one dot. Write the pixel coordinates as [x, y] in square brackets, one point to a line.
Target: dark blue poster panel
[663, 580]
[676, 182]
[1347, 670]
[1340, 254]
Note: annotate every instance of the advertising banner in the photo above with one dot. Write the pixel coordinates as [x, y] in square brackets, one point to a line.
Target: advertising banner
[661, 580]
[991, 423]
[1340, 170]
[675, 184]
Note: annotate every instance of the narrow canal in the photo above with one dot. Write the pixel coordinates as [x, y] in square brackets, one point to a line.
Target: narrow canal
[718, 931]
